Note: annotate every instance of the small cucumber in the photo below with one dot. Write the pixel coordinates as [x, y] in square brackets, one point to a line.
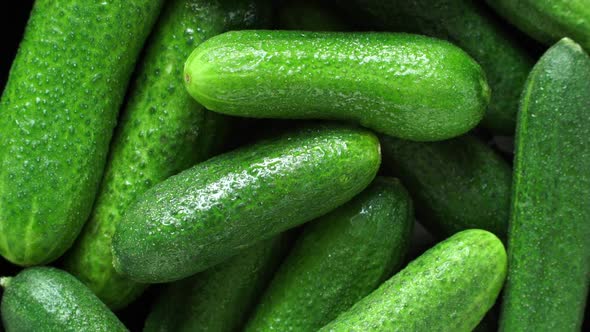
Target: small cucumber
[396, 84]
[309, 15]
[339, 259]
[210, 212]
[549, 229]
[448, 288]
[58, 110]
[47, 299]
[457, 184]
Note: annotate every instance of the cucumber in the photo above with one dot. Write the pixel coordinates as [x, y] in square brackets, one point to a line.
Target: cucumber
[162, 131]
[448, 288]
[210, 212]
[472, 27]
[48, 299]
[58, 112]
[220, 298]
[309, 15]
[548, 20]
[549, 252]
[339, 259]
[457, 184]
[396, 84]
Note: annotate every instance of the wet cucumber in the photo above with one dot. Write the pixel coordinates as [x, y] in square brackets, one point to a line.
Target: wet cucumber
[548, 247]
[162, 132]
[58, 113]
[457, 184]
[48, 299]
[395, 84]
[339, 259]
[210, 212]
[448, 288]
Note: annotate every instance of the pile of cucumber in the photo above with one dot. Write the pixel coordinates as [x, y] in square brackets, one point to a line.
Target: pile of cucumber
[269, 166]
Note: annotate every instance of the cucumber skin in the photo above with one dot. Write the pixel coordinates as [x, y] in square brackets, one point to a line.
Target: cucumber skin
[549, 252]
[162, 132]
[339, 259]
[210, 212]
[58, 110]
[458, 184]
[448, 288]
[301, 75]
[220, 298]
[48, 299]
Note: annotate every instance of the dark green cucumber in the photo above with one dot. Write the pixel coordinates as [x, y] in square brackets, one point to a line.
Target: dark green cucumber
[309, 15]
[58, 110]
[220, 298]
[448, 288]
[339, 259]
[47, 299]
[457, 184]
[162, 132]
[548, 20]
[549, 230]
[210, 212]
[397, 84]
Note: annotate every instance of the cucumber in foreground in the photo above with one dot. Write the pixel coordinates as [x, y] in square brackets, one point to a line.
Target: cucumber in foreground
[338, 259]
[212, 211]
[548, 248]
[58, 110]
[396, 84]
[48, 299]
[449, 288]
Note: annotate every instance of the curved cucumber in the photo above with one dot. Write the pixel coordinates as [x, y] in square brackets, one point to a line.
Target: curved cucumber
[549, 251]
[210, 212]
[448, 288]
[339, 259]
[457, 184]
[162, 132]
[48, 299]
[395, 84]
[58, 112]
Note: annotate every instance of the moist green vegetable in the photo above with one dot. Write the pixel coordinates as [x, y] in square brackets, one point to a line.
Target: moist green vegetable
[309, 15]
[548, 20]
[210, 212]
[397, 84]
[448, 288]
[48, 299]
[549, 251]
[339, 259]
[162, 131]
[457, 184]
[220, 298]
[58, 110]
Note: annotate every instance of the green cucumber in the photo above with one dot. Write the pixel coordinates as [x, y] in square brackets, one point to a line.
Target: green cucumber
[219, 299]
[162, 132]
[338, 259]
[396, 84]
[309, 15]
[48, 299]
[210, 212]
[448, 288]
[548, 20]
[457, 184]
[58, 110]
[548, 247]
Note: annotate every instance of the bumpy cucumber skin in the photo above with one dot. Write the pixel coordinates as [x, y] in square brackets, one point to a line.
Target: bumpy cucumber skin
[549, 252]
[448, 288]
[309, 15]
[162, 132]
[220, 298]
[210, 212]
[48, 299]
[339, 259]
[58, 110]
[397, 84]
[458, 184]
[548, 20]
